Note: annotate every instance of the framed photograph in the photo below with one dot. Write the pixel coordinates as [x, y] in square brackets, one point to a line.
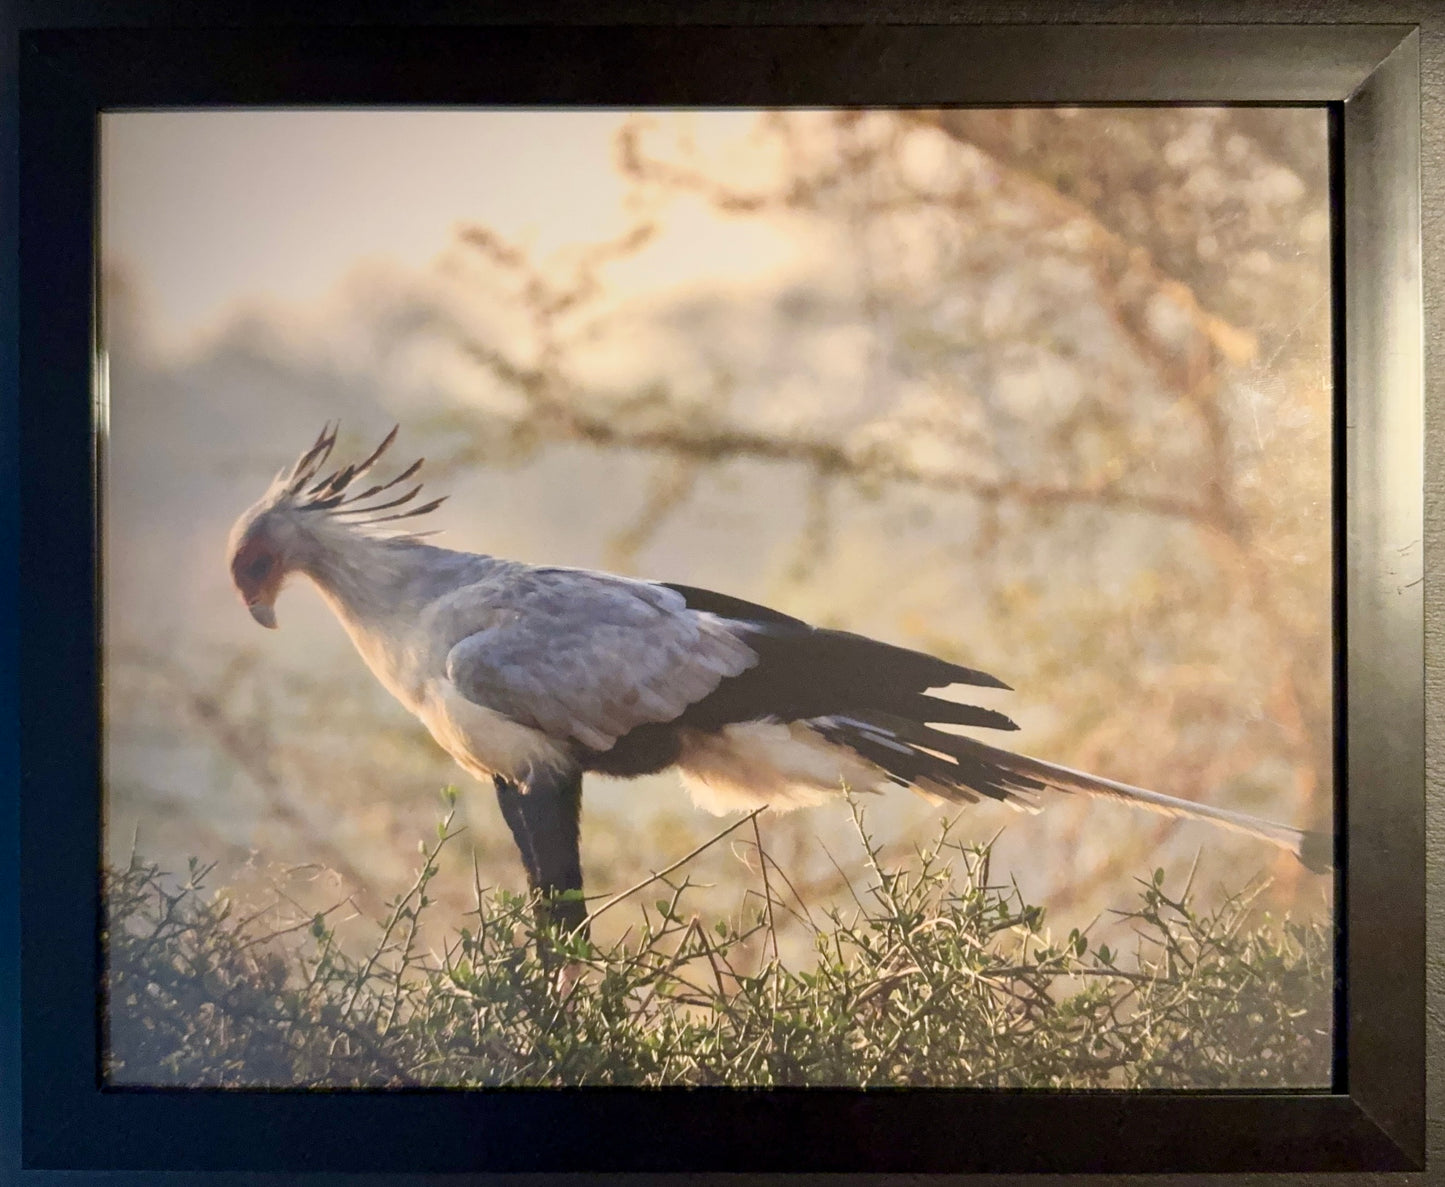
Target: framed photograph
[723, 598]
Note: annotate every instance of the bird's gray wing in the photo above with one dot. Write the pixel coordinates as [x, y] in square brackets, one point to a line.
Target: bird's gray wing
[588, 656]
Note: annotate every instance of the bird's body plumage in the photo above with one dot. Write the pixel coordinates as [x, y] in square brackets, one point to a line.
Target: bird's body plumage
[531, 675]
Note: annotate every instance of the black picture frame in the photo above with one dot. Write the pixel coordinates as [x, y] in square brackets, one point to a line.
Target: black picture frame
[74, 61]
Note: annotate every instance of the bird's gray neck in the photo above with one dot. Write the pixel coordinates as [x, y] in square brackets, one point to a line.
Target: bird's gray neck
[380, 589]
[369, 580]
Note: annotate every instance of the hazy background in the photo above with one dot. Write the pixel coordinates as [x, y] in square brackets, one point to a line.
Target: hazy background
[1046, 392]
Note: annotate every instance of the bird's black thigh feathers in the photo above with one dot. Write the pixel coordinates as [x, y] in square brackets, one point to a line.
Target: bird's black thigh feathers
[545, 819]
[644, 750]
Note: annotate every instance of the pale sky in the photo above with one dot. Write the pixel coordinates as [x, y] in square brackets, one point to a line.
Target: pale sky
[210, 208]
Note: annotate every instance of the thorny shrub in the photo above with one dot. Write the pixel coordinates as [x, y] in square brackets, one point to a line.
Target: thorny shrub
[936, 976]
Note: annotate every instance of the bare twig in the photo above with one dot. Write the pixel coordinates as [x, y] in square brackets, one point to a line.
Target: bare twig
[663, 873]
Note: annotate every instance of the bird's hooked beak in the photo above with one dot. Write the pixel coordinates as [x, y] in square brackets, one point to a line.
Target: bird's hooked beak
[257, 568]
[264, 613]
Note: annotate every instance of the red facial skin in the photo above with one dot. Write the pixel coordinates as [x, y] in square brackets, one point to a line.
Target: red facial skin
[257, 572]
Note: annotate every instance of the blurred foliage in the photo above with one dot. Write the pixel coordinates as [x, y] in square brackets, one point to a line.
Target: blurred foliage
[1096, 340]
[935, 976]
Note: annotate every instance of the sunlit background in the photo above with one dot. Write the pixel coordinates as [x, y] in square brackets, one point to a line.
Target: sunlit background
[1042, 391]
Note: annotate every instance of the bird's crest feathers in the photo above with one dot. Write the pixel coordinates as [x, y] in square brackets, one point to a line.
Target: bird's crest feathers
[300, 488]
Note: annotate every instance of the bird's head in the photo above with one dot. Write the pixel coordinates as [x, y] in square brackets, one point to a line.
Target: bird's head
[289, 526]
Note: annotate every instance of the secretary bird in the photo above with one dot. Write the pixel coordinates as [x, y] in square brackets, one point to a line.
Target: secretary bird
[531, 676]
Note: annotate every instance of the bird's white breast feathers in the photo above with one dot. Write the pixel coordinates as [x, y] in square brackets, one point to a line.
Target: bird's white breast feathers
[483, 741]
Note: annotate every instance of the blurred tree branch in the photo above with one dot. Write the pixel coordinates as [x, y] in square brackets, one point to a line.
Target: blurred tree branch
[1177, 187]
[1189, 223]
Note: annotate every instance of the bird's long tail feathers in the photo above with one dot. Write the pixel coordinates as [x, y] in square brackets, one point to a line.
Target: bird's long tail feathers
[963, 769]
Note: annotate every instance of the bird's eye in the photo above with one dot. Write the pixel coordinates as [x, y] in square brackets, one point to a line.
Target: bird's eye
[257, 569]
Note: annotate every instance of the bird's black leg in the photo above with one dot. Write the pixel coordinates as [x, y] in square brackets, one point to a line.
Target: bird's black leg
[545, 818]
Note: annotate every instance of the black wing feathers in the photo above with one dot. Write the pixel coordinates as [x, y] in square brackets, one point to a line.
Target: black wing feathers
[925, 708]
[727, 606]
[931, 761]
[805, 672]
